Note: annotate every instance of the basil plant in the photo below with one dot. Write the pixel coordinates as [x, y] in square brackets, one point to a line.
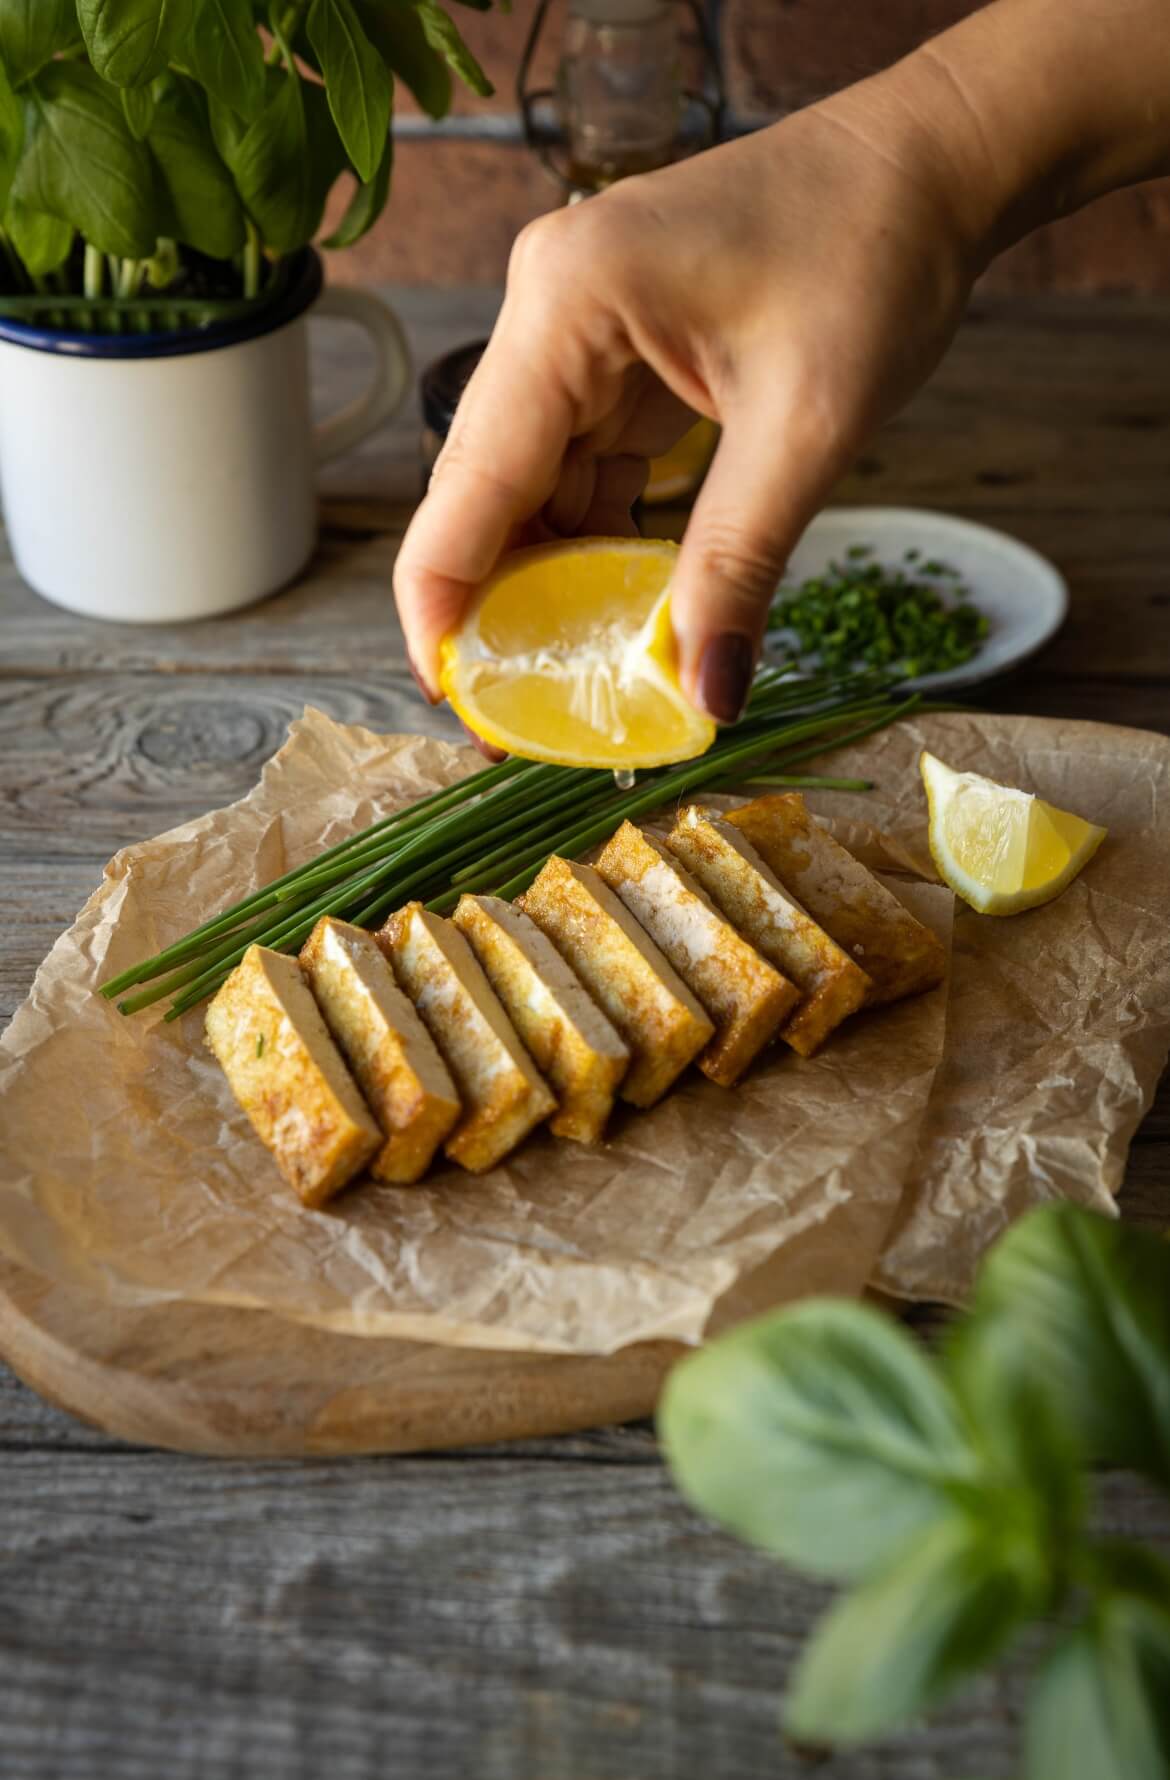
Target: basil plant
[953, 1495]
[148, 145]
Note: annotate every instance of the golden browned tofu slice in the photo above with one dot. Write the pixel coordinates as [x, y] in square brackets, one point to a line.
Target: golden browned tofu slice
[656, 1014]
[392, 1055]
[731, 871]
[744, 995]
[288, 1075]
[572, 1041]
[502, 1091]
[899, 955]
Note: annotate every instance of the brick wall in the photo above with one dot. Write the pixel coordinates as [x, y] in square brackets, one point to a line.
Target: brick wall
[463, 188]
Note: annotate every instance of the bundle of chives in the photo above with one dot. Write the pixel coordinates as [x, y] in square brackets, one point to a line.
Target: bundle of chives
[495, 829]
[701, 772]
[196, 941]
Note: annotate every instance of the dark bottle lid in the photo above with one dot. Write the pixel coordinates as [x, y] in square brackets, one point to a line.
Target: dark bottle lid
[443, 382]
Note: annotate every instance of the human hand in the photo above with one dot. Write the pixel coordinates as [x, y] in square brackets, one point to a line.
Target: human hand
[795, 286]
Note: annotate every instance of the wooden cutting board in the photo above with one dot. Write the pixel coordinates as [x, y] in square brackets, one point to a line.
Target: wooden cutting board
[242, 1383]
[205, 1379]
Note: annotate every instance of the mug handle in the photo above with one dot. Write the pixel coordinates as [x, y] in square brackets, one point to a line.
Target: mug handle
[392, 370]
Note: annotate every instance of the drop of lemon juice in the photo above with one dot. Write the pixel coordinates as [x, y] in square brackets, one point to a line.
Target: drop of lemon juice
[623, 778]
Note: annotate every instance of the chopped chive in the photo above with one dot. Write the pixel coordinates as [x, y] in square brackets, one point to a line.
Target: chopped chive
[860, 613]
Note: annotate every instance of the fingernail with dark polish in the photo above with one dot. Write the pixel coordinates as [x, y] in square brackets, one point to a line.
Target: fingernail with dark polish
[725, 674]
[419, 681]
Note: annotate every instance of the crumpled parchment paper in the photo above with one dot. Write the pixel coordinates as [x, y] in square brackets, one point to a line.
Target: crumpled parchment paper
[1058, 1020]
[129, 1171]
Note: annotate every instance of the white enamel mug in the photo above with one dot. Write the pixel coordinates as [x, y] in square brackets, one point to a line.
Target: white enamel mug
[159, 478]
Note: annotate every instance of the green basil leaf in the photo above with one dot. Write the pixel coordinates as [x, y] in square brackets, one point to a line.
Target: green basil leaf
[225, 55]
[32, 32]
[203, 206]
[138, 110]
[443, 35]
[1101, 1704]
[130, 41]
[356, 82]
[228, 129]
[822, 1433]
[397, 34]
[43, 242]
[271, 168]
[1028, 1440]
[11, 134]
[327, 157]
[1087, 1302]
[82, 165]
[900, 1642]
[286, 162]
[366, 205]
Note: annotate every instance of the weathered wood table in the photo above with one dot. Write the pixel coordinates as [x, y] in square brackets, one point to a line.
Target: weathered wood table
[548, 1611]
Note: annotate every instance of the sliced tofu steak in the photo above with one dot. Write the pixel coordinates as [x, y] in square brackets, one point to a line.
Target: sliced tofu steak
[570, 1038]
[268, 1035]
[503, 1093]
[656, 1014]
[899, 955]
[832, 986]
[405, 1081]
[745, 996]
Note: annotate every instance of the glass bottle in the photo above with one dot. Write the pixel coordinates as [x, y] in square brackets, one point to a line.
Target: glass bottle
[619, 89]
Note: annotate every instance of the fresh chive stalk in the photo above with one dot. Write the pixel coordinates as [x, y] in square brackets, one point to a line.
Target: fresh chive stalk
[676, 783]
[420, 841]
[394, 885]
[496, 828]
[402, 820]
[479, 872]
[881, 721]
[797, 782]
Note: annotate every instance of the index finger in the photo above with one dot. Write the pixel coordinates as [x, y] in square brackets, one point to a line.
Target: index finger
[498, 468]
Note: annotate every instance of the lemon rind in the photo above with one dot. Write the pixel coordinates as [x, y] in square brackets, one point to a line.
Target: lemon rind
[967, 888]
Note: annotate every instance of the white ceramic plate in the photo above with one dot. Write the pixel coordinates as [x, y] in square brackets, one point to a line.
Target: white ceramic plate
[1024, 598]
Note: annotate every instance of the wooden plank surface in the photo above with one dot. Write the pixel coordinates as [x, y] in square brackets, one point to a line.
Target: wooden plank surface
[550, 1609]
[552, 1613]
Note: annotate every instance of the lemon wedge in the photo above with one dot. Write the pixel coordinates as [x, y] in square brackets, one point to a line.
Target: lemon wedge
[567, 655]
[1001, 850]
[680, 470]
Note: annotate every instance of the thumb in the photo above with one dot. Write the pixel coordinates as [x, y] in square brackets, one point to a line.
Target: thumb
[761, 491]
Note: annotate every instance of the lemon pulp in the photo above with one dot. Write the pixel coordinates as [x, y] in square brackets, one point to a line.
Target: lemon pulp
[567, 655]
[1000, 849]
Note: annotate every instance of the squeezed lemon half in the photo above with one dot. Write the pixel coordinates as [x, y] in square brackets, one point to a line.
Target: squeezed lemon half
[567, 655]
[680, 470]
[1001, 850]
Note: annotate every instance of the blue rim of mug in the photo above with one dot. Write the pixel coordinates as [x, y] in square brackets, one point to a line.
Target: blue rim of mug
[299, 285]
